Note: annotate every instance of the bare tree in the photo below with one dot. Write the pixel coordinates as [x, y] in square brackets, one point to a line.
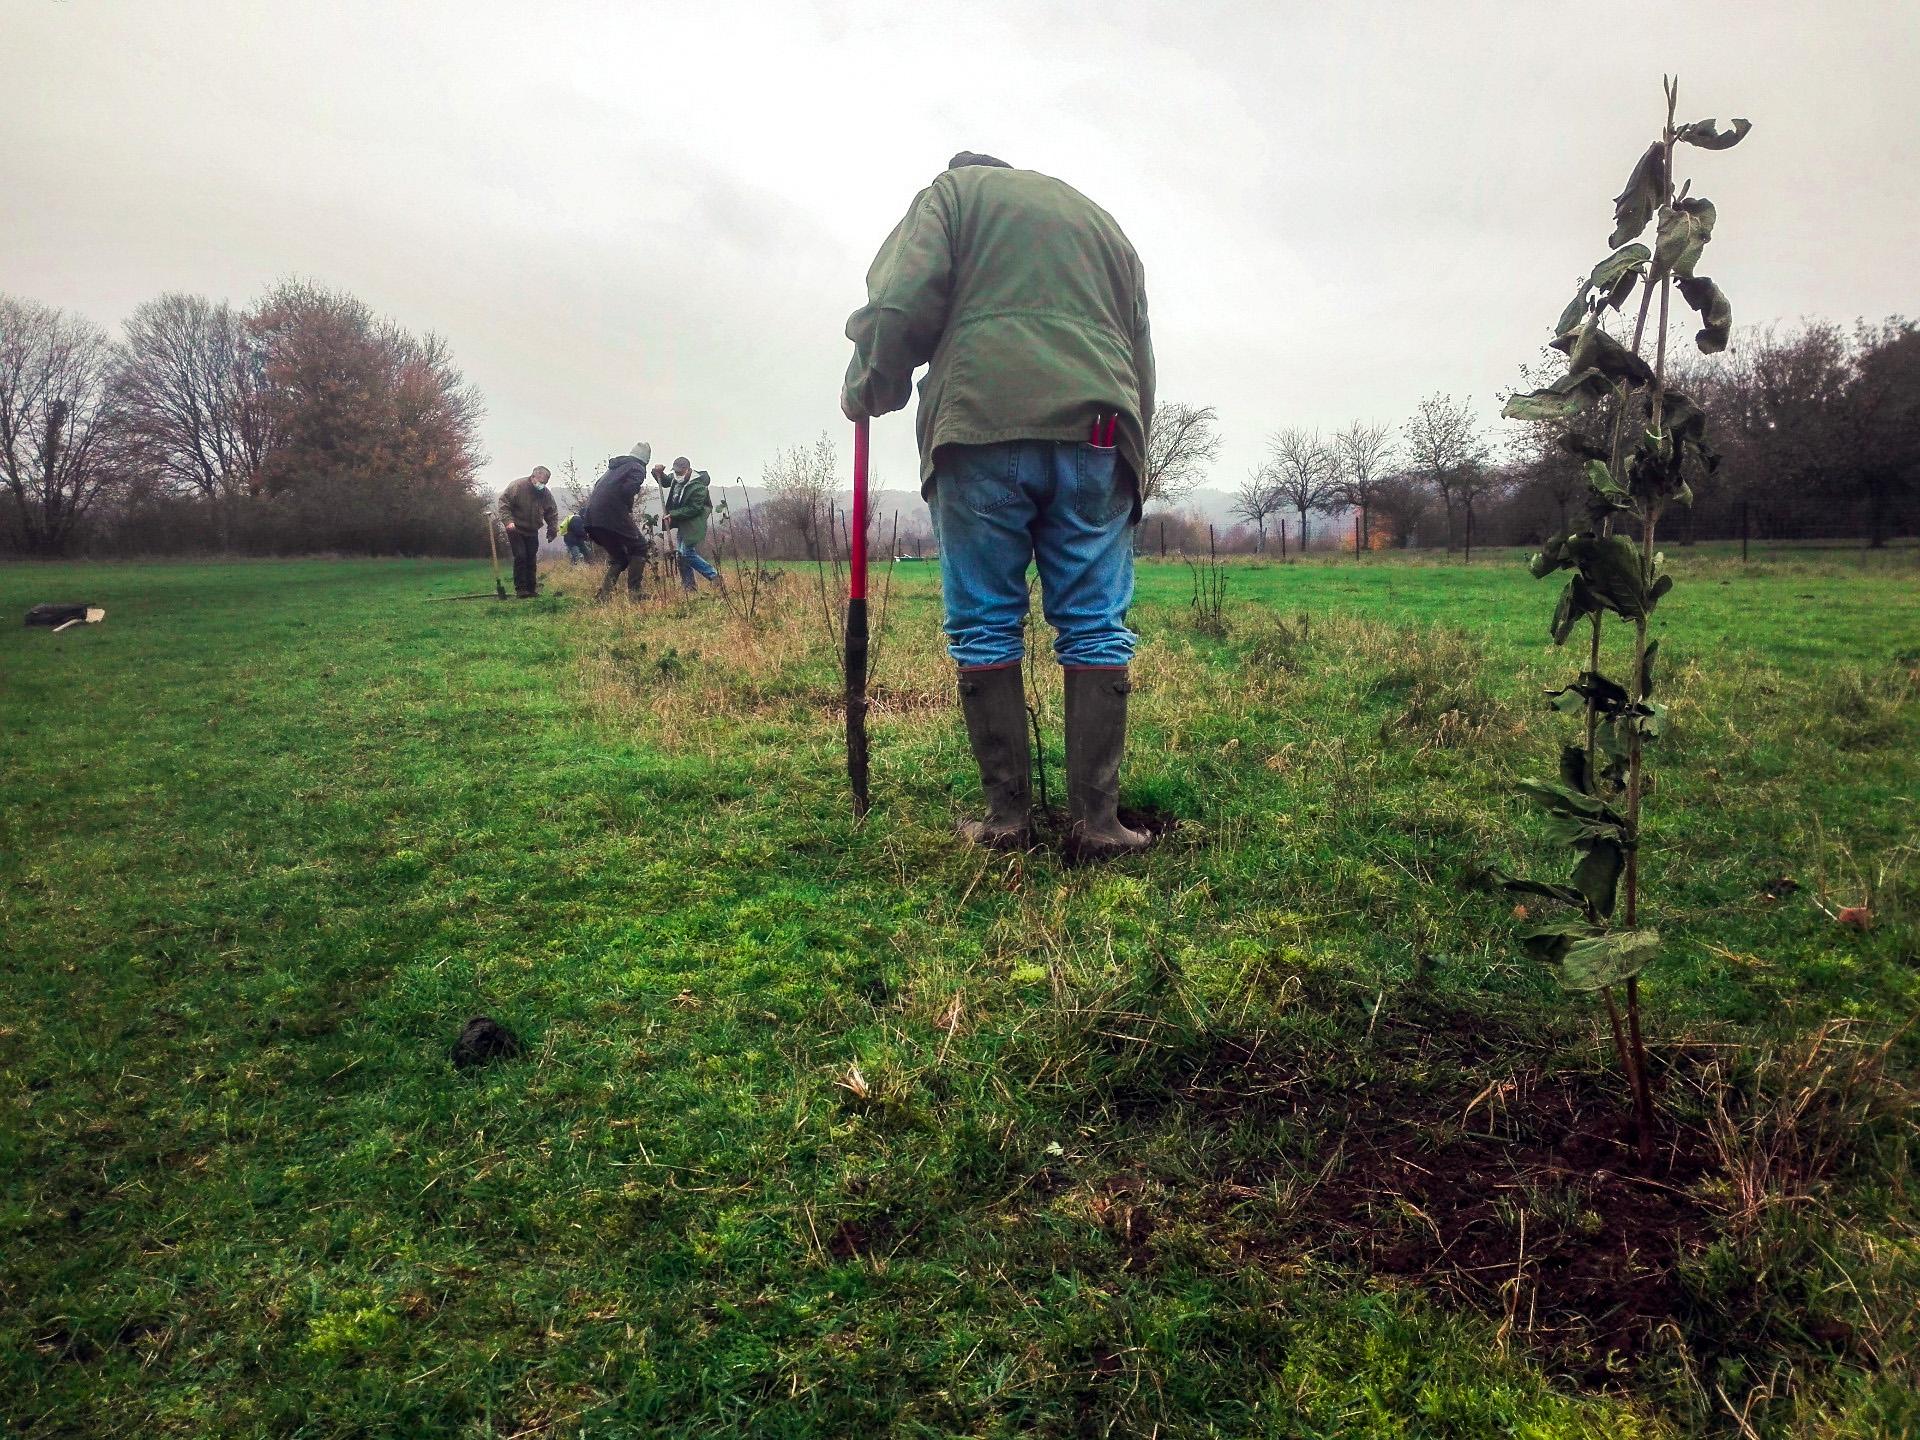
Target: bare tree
[1181, 442]
[1304, 472]
[573, 490]
[193, 384]
[801, 485]
[1441, 444]
[1365, 456]
[1257, 500]
[57, 419]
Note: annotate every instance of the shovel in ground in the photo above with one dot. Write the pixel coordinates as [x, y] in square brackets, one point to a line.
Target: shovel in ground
[499, 590]
[855, 629]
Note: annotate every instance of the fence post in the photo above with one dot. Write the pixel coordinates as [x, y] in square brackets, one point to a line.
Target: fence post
[1356, 534]
[1743, 532]
[1283, 539]
[1163, 537]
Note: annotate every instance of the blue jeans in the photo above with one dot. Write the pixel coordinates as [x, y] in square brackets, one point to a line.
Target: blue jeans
[692, 562]
[1063, 505]
[576, 552]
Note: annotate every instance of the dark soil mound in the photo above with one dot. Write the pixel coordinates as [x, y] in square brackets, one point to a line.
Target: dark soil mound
[483, 1041]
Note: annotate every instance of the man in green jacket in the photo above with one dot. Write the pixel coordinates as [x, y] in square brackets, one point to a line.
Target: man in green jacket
[1028, 305]
[525, 505]
[686, 503]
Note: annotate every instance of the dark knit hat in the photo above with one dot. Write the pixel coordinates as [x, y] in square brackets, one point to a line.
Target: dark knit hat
[967, 157]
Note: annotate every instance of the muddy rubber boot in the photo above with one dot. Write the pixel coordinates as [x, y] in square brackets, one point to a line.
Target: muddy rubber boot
[605, 591]
[995, 705]
[1096, 739]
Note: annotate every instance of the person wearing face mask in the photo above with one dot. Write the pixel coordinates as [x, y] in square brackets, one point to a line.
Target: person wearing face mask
[685, 503]
[525, 506]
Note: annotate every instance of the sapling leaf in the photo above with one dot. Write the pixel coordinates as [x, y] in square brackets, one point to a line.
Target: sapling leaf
[1622, 262]
[1660, 587]
[1560, 800]
[1570, 395]
[1623, 287]
[1597, 876]
[1685, 421]
[1574, 443]
[1716, 312]
[1576, 602]
[1610, 565]
[1547, 943]
[1612, 738]
[1600, 481]
[1553, 557]
[1646, 187]
[1609, 696]
[1597, 961]
[1575, 312]
[1646, 668]
[1576, 769]
[1565, 894]
[1591, 348]
[1685, 228]
[1708, 135]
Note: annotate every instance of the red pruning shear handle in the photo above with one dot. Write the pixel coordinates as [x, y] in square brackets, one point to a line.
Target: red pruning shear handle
[1103, 431]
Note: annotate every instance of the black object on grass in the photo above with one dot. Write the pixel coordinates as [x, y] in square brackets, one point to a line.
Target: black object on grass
[483, 1041]
[56, 614]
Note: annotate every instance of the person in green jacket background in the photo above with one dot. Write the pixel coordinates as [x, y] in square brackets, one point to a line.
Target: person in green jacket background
[686, 502]
[1028, 305]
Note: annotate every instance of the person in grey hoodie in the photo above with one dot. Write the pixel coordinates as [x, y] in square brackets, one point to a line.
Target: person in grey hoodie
[608, 514]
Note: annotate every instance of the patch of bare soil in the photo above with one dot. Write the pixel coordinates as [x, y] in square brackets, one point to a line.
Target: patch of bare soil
[1522, 1197]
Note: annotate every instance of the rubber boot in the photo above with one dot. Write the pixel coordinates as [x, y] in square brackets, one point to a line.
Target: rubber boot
[995, 705]
[1096, 739]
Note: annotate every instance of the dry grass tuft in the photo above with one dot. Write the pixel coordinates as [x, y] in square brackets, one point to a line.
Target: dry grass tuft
[1800, 1116]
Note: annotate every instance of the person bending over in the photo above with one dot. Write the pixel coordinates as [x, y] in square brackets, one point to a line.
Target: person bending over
[1030, 306]
[608, 514]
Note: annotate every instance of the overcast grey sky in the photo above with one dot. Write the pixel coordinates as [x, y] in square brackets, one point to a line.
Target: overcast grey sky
[651, 219]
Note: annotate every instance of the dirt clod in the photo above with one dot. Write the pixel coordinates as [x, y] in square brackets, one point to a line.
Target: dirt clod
[483, 1041]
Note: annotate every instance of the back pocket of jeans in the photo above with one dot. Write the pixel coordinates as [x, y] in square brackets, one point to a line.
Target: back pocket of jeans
[1099, 491]
[985, 478]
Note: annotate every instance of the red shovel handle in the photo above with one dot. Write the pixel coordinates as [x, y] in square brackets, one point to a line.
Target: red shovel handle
[857, 543]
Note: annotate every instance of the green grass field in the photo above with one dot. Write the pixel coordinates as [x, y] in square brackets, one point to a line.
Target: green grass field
[830, 1130]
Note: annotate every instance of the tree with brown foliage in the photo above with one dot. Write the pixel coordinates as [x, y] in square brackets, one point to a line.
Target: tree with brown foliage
[375, 430]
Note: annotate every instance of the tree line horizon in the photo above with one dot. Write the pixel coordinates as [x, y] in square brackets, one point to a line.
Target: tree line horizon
[307, 423]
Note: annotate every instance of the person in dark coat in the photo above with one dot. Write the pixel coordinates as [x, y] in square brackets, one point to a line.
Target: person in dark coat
[525, 506]
[608, 514]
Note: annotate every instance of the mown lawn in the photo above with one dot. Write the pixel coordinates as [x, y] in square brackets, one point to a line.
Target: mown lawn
[835, 1130]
